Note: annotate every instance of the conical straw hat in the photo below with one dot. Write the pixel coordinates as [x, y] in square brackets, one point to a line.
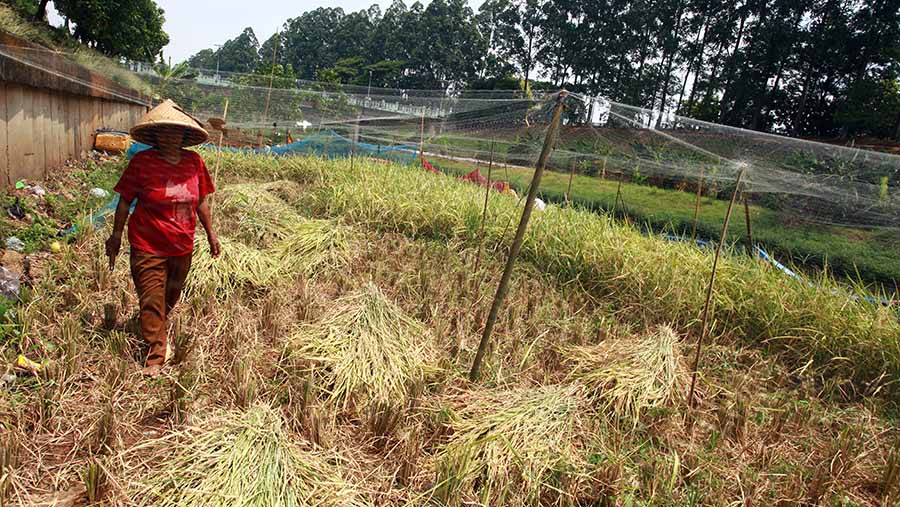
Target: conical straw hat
[169, 114]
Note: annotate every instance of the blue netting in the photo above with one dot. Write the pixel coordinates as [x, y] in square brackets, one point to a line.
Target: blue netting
[324, 144]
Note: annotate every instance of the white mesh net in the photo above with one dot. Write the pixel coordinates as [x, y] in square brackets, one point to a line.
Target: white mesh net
[810, 202]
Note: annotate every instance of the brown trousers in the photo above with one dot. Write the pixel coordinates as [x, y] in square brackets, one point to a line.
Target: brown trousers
[158, 281]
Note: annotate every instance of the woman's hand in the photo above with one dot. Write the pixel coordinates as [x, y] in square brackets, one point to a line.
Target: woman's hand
[113, 245]
[214, 247]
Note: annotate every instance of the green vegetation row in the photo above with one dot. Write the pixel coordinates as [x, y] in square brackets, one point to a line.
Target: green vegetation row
[873, 256]
[853, 345]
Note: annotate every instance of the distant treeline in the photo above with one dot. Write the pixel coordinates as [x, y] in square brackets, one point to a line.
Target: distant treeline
[819, 68]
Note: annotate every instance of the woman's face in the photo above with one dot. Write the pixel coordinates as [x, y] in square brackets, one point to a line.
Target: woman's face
[170, 138]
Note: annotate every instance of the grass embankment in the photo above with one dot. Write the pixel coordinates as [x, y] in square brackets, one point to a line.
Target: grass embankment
[57, 39]
[873, 256]
[540, 427]
[853, 345]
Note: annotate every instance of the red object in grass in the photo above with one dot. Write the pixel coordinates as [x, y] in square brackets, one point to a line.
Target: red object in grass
[428, 167]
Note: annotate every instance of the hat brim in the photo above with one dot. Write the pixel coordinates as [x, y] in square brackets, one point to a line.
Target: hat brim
[146, 133]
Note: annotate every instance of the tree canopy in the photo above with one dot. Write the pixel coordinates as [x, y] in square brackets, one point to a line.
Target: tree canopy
[127, 28]
[822, 68]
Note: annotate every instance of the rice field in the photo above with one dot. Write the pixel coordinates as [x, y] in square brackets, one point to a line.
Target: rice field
[323, 360]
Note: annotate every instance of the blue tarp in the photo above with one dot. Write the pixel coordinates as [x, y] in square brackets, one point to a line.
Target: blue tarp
[328, 144]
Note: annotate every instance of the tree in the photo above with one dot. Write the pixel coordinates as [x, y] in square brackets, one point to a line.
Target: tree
[205, 59]
[126, 28]
[240, 54]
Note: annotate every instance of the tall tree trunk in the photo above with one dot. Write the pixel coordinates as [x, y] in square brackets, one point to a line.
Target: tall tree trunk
[731, 65]
[665, 85]
[618, 85]
[692, 64]
[636, 93]
[41, 13]
[801, 108]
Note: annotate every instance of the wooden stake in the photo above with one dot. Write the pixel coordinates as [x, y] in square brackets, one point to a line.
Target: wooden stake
[571, 175]
[709, 288]
[750, 244]
[487, 193]
[603, 171]
[697, 205]
[422, 137]
[618, 193]
[503, 287]
[269, 94]
[219, 150]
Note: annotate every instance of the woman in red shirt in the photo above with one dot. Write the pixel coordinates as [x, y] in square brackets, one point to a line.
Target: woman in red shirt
[171, 186]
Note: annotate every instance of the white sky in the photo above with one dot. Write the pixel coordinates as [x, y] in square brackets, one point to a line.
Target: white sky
[193, 25]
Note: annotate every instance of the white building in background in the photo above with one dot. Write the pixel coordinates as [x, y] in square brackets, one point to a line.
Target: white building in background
[211, 79]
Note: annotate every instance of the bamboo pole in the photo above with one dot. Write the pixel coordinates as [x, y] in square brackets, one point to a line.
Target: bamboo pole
[571, 175]
[697, 205]
[750, 244]
[259, 135]
[422, 137]
[503, 287]
[709, 288]
[487, 193]
[618, 193]
[219, 150]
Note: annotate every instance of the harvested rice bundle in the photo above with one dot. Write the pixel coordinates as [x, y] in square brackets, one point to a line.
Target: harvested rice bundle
[629, 376]
[241, 459]
[238, 264]
[515, 447]
[367, 352]
[286, 190]
[256, 216]
[311, 244]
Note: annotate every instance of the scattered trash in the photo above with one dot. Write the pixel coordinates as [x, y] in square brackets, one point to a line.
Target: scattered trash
[539, 204]
[27, 365]
[7, 378]
[16, 211]
[37, 190]
[20, 184]
[56, 247]
[9, 283]
[15, 244]
[99, 193]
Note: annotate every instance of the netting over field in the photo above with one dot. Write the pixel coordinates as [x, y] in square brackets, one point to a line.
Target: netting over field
[826, 203]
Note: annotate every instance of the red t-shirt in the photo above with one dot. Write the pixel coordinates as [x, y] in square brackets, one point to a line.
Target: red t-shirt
[165, 217]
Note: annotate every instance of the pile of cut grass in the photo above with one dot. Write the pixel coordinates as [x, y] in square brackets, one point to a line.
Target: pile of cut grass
[251, 213]
[238, 265]
[518, 447]
[240, 459]
[266, 240]
[313, 245]
[367, 353]
[629, 376]
[852, 344]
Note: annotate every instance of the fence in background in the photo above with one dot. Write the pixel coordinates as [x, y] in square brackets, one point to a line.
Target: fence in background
[50, 108]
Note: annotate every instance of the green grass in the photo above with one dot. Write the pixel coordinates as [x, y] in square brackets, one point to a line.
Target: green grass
[873, 256]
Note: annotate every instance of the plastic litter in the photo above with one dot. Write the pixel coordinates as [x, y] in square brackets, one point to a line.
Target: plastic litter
[99, 193]
[27, 365]
[37, 190]
[15, 244]
[20, 184]
[539, 204]
[16, 211]
[9, 283]
[7, 378]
